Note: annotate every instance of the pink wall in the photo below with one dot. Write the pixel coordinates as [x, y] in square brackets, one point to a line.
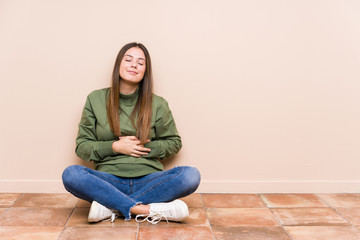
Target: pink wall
[265, 93]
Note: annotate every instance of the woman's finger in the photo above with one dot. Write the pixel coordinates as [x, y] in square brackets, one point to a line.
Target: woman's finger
[133, 138]
[140, 153]
[142, 149]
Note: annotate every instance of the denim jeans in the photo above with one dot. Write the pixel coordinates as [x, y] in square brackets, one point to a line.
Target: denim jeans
[122, 194]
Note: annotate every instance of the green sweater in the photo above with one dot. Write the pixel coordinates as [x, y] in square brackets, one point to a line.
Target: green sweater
[95, 138]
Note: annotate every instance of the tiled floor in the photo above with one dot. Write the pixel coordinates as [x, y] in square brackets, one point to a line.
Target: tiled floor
[212, 216]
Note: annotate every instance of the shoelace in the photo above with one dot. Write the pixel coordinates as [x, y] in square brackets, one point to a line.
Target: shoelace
[151, 218]
[112, 219]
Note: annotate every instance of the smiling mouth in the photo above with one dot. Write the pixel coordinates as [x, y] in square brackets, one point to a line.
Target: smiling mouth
[132, 72]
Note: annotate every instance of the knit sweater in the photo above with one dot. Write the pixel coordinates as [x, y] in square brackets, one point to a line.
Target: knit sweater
[95, 138]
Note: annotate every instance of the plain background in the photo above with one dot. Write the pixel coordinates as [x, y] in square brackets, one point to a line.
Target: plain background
[265, 94]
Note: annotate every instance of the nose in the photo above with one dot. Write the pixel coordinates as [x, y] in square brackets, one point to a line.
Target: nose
[134, 64]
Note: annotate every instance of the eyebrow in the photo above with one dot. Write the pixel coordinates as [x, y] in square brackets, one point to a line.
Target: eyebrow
[128, 55]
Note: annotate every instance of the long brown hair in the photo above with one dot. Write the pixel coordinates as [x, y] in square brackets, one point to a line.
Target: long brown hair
[143, 105]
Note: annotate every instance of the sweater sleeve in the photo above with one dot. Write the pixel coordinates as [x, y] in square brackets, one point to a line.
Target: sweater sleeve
[167, 141]
[87, 145]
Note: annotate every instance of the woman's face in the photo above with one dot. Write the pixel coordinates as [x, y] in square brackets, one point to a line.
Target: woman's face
[133, 66]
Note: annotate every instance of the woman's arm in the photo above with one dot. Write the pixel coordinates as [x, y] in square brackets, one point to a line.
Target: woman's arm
[87, 145]
[167, 141]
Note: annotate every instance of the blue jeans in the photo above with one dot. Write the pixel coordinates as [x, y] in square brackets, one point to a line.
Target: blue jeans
[122, 194]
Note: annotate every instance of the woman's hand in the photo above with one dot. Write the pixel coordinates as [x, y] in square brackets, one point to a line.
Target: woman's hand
[130, 145]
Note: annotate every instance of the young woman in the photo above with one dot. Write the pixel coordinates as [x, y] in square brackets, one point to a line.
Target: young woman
[126, 130]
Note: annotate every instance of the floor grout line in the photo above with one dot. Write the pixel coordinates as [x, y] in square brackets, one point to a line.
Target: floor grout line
[65, 225]
[11, 205]
[137, 231]
[278, 220]
[71, 214]
[346, 219]
[322, 200]
[207, 216]
[61, 233]
[336, 211]
[17, 200]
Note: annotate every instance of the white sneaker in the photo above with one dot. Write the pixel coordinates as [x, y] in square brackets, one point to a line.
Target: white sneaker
[172, 211]
[99, 213]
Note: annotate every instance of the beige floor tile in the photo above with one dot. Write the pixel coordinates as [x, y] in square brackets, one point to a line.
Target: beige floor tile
[80, 215]
[175, 233]
[308, 217]
[2, 210]
[83, 203]
[232, 201]
[251, 233]
[8, 199]
[351, 214]
[35, 217]
[343, 200]
[323, 233]
[197, 217]
[241, 217]
[30, 233]
[96, 233]
[58, 200]
[292, 200]
[193, 200]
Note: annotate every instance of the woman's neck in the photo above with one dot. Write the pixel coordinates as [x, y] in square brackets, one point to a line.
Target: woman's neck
[128, 89]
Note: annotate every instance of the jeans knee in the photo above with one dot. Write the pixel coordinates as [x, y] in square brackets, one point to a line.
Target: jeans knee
[193, 178]
[70, 175]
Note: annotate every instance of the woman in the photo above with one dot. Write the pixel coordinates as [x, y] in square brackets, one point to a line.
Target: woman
[126, 130]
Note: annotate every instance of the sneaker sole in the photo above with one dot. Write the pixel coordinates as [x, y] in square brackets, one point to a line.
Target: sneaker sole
[94, 212]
